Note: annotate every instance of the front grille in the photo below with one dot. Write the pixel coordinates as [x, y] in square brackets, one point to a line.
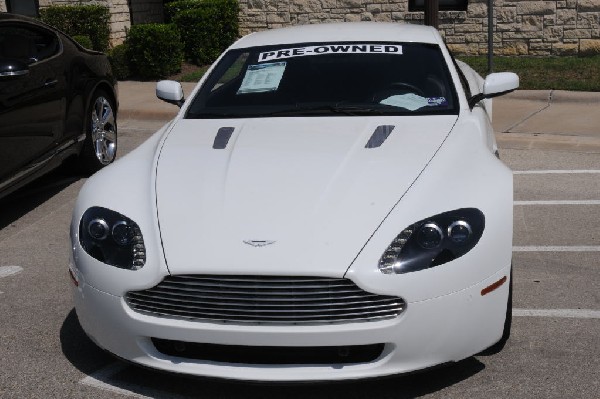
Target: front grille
[264, 300]
[295, 355]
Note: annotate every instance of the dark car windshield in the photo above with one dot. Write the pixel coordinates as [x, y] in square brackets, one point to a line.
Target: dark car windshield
[324, 79]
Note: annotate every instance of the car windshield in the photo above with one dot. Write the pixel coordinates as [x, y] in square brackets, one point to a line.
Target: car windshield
[328, 79]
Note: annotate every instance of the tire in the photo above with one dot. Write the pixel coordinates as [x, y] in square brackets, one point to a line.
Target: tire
[100, 144]
[498, 346]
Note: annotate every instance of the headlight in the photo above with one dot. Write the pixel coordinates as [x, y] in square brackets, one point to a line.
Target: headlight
[112, 238]
[433, 241]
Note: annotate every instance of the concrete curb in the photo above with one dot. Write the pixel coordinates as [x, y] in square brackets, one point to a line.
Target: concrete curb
[557, 96]
[549, 142]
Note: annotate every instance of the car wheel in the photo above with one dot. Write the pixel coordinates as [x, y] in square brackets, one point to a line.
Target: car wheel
[498, 346]
[100, 145]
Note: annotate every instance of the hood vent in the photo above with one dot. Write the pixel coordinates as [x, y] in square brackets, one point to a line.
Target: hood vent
[379, 136]
[222, 138]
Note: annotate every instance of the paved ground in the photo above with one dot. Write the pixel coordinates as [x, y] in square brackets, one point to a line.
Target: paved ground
[554, 351]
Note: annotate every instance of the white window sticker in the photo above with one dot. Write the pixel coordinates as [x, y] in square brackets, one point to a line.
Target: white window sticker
[331, 49]
[409, 101]
[412, 101]
[262, 78]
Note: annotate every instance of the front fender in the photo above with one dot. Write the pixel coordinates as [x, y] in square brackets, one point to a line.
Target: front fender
[462, 174]
[128, 187]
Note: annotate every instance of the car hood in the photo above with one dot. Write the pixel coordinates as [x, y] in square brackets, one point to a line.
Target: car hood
[291, 196]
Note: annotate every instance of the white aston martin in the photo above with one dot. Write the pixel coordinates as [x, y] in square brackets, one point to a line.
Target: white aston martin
[328, 204]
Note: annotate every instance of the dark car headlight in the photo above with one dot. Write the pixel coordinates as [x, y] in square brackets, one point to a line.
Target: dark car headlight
[433, 241]
[112, 238]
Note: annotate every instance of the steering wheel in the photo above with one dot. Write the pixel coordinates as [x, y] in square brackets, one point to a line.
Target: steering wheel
[407, 87]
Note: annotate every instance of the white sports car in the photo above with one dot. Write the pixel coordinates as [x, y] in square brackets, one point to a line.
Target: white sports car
[327, 205]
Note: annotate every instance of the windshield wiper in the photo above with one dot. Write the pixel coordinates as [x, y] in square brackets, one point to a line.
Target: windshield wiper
[353, 109]
[324, 109]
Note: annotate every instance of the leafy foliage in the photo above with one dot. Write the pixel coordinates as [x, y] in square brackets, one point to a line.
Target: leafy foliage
[83, 40]
[175, 7]
[155, 50]
[81, 20]
[119, 61]
[209, 27]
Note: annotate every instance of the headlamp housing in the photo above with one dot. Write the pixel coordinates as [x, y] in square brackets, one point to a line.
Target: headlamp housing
[433, 241]
[112, 238]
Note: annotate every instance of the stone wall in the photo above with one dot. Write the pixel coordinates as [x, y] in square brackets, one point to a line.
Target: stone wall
[522, 27]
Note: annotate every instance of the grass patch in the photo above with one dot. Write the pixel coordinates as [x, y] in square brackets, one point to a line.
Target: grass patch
[194, 75]
[546, 73]
[558, 73]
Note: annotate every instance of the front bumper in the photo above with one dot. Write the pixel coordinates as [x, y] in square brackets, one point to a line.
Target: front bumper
[444, 329]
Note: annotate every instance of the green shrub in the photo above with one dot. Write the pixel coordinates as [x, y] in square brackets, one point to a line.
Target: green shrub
[175, 7]
[155, 50]
[119, 61]
[78, 20]
[83, 40]
[208, 29]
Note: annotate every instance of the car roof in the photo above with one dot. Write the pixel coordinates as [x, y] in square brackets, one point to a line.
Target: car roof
[17, 17]
[342, 32]
[7, 16]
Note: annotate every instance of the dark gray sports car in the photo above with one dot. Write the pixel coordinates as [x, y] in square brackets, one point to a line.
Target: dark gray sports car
[58, 100]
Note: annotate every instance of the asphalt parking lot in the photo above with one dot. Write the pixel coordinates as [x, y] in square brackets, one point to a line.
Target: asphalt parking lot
[554, 350]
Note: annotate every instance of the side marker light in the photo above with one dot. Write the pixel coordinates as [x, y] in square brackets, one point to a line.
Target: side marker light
[494, 286]
[73, 279]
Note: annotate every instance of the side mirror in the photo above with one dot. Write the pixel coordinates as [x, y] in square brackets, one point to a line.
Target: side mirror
[496, 84]
[12, 67]
[170, 91]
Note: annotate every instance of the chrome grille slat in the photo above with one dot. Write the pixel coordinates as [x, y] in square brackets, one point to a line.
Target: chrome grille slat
[263, 291]
[269, 308]
[264, 300]
[255, 279]
[268, 284]
[272, 316]
[258, 296]
[142, 297]
[249, 320]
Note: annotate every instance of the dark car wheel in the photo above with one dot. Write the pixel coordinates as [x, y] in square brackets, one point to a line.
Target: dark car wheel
[498, 346]
[100, 146]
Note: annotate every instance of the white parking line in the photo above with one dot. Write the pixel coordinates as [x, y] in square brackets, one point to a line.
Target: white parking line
[546, 172]
[558, 202]
[103, 379]
[565, 248]
[6, 271]
[559, 313]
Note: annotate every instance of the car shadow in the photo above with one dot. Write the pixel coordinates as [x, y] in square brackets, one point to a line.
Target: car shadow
[78, 348]
[24, 200]
[91, 360]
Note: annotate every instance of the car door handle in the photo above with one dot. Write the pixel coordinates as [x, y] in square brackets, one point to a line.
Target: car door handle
[50, 82]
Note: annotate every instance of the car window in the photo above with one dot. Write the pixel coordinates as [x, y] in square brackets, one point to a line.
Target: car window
[321, 79]
[233, 72]
[27, 44]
